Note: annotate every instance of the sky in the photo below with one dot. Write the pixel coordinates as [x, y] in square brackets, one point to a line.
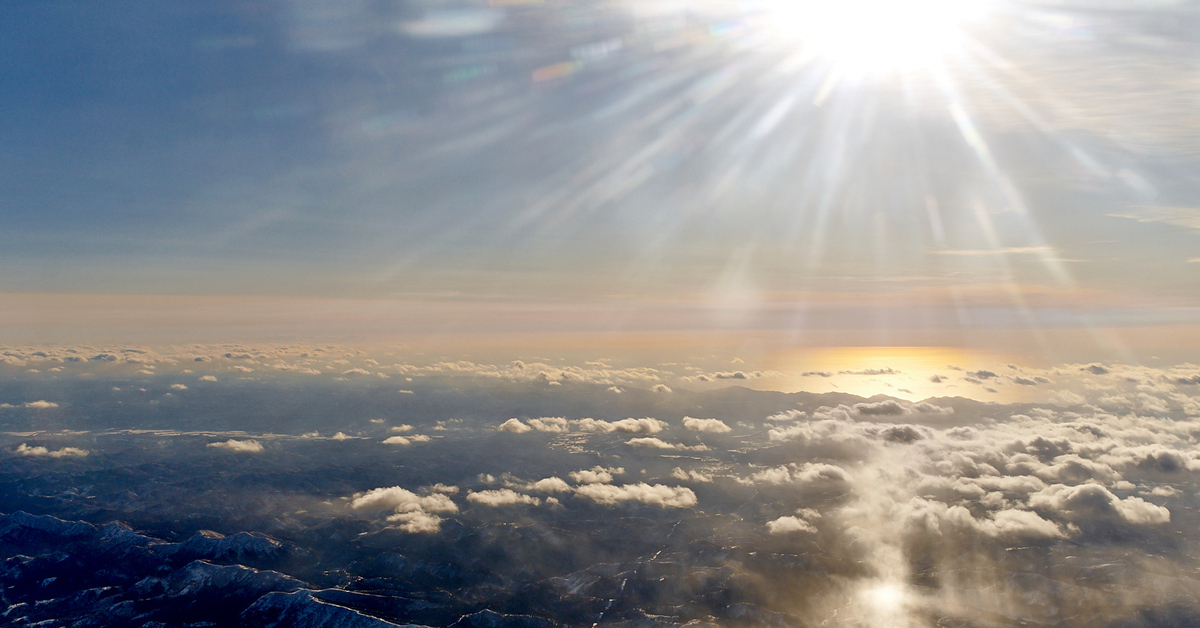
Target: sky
[851, 312]
[1015, 180]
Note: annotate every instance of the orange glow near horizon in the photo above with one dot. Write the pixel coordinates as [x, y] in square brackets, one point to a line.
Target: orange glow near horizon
[904, 372]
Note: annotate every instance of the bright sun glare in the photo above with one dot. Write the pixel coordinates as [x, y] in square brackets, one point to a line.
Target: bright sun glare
[864, 36]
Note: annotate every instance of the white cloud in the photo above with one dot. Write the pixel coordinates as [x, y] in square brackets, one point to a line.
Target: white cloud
[651, 443]
[502, 497]
[41, 404]
[789, 524]
[178, 387]
[208, 378]
[400, 429]
[405, 440]
[550, 485]
[808, 473]
[413, 513]
[657, 495]
[241, 446]
[37, 451]
[596, 475]
[691, 475]
[624, 426]
[788, 415]
[1089, 502]
[549, 424]
[715, 426]
[514, 426]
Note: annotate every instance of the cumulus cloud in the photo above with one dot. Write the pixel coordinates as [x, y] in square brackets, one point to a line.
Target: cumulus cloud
[661, 388]
[655, 495]
[241, 446]
[790, 524]
[414, 513]
[929, 517]
[549, 424]
[501, 497]
[38, 451]
[405, 441]
[596, 475]
[550, 485]
[208, 378]
[651, 443]
[715, 426]
[514, 426]
[808, 473]
[892, 407]
[178, 387]
[40, 404]
[788, 415]
[691, 475]
[1092, 502]
[624, 426]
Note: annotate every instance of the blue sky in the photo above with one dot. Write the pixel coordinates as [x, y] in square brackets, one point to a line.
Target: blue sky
[711, 157]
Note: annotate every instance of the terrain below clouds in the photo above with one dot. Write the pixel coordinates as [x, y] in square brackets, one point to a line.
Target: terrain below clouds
[479, 501]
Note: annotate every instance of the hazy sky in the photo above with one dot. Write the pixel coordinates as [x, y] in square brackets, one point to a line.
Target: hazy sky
[1023, 173]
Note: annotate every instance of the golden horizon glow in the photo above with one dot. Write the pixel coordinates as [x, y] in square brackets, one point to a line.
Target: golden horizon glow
[903, 372]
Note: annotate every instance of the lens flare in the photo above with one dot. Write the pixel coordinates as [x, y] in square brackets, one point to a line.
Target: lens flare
[868, 36]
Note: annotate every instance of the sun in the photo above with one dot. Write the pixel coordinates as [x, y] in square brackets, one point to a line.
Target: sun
[873, 36]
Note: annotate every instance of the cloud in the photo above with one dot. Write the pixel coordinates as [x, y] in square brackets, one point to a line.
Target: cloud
[788, 415]
[1095, 369]
[656, 495]
[550, 485]
[501, 497]
[883, 371]
[596, 475]
[208, 378]
[891, 407]
[808, 473]
[241, 446]
[691, 475]
[1186, 217]
[41, 404]
[1091, 502]
[661, 388]
[414, 513]
[405, 440]
[514, 426]
[549, 424]
[715, 426]
[651, 443]
[37, 451]
[624, 426]
[789, 525]
[400, 429]
[178, 387]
